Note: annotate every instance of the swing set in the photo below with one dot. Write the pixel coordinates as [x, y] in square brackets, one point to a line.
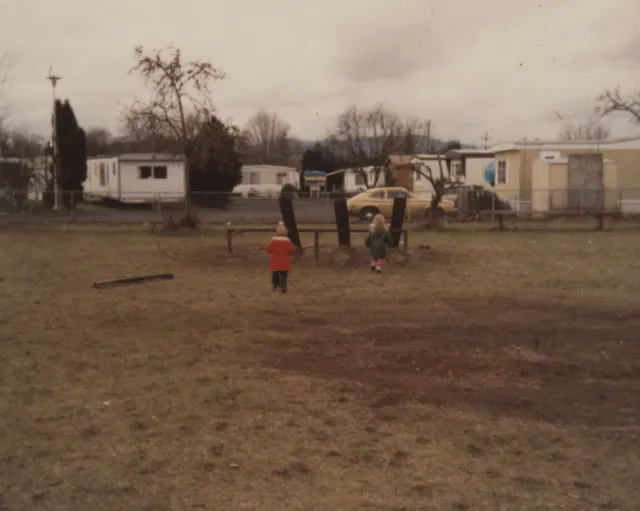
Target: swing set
[342, 229]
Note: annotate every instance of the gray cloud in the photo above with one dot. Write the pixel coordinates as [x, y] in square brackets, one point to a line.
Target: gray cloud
[391, 53]
[498, 65]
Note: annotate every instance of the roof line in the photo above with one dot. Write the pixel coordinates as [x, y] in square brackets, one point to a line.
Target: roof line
[569, 142]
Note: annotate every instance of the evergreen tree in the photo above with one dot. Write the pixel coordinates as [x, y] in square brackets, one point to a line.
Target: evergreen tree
[72, 154]
[214, 163]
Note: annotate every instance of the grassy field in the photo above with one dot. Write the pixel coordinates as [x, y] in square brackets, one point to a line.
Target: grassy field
[495, 371]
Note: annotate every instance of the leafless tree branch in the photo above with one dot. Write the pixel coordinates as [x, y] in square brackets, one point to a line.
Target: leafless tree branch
[180, 94]
[416, 136]
[266, 138]
[6, 64]
[614, 100]
[366, 138]
[592, 131]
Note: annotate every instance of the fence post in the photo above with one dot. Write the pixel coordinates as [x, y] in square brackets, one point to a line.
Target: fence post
[316, 245]
[600, 222]
[229, 241]
[72, 206]
[493, 205]
[500, 221]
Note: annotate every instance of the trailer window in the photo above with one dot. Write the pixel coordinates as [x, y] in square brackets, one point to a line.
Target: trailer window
[502, 173]
[144, 172]
[160, 172]
[458, 170]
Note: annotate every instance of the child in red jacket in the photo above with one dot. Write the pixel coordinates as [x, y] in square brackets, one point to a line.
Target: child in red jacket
[280, 249]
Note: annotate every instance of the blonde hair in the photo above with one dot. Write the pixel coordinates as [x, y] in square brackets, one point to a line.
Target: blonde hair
[378, 223]
[281, 230]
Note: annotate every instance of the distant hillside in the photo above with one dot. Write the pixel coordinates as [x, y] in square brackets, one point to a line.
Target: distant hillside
[420, 142]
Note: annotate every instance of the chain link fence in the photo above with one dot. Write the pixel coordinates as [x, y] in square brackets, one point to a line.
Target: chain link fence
[223, 208]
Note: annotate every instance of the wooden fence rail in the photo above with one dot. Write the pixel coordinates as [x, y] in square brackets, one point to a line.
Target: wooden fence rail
[316, 236]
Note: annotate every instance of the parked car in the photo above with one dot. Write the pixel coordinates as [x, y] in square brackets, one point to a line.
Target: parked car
[448, 202]
[380, 200]
[475, 200]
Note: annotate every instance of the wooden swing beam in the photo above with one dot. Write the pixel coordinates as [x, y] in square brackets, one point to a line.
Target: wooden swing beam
[316, 236]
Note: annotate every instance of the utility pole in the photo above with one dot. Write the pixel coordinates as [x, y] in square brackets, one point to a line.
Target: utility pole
[54, 139]
[486, 140]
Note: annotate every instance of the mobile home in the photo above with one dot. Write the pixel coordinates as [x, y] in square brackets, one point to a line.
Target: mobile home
[266, 179]
[354, 179]
[515, 166]
[420, 185]
[468, 165]
[136, 178]
[26, 174]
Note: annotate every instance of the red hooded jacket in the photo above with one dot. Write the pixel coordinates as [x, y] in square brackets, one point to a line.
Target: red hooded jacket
[280, 249]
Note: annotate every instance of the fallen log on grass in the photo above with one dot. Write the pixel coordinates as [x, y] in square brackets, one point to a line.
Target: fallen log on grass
[132, 280]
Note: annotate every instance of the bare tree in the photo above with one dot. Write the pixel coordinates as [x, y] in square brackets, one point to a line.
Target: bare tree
[21, 176]
[441, 180]
[99, 141]
[135, 127]
[615, 101]
[266, 138]
[366, 138]
[145, 134]
[180, 94]
[416, 136]
[5, 68]
[592, 131]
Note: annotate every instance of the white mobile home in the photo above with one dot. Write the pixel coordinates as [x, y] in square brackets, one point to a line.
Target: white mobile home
[468, 165]
[266, 179]
[421, 186]
[354, 179]
[136, 178]
[36, 168]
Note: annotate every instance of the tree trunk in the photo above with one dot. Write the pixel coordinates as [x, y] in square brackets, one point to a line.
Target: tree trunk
[188, 220]
[433, 218]
[187, 187]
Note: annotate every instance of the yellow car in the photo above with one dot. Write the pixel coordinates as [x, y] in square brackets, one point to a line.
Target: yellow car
[380, 200]
[448, 201]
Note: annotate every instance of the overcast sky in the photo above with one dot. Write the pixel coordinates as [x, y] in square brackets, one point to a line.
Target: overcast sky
[502, 66]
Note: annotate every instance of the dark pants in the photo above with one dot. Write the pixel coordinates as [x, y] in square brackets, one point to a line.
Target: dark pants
[279, 279]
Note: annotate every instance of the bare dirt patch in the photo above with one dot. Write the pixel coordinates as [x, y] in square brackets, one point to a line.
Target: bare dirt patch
[495, 371]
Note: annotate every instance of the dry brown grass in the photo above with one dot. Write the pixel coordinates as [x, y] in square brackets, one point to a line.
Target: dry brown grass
[495, 371]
